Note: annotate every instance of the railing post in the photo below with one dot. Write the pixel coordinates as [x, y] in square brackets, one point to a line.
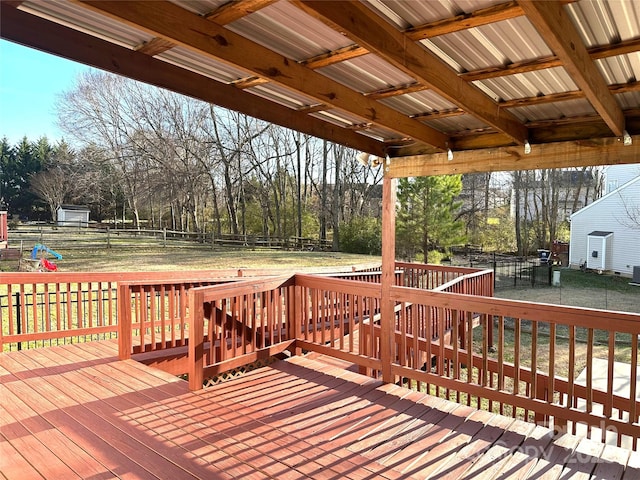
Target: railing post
[196, 340]
[123, 316]
[296, 316]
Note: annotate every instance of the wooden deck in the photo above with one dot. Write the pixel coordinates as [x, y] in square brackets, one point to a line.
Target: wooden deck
[77, 412]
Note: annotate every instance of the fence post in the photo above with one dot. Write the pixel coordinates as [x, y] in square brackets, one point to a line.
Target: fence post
[123, 317]
[196, 340]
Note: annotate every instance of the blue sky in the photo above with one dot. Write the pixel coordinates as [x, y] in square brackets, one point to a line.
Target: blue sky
[30, 82]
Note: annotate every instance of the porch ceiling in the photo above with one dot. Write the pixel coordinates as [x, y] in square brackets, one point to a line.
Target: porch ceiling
[403, 78]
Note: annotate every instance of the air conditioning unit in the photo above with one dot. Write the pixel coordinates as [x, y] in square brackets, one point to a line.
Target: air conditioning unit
[636, 274]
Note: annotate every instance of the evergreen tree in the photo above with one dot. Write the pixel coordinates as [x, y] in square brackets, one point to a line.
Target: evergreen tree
[7, 160]
[427, 211]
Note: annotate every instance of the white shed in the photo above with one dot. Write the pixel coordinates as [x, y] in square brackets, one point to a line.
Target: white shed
[610, 227]
[73, 216]
[599, 250]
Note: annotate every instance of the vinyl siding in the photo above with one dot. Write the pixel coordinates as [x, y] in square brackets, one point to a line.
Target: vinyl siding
[609, 214]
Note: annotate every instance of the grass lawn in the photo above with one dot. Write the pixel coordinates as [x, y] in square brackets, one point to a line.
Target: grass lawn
[197, 258]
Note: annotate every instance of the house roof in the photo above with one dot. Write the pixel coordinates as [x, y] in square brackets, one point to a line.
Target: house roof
[393, 79]
[597, 233]
[617, 191]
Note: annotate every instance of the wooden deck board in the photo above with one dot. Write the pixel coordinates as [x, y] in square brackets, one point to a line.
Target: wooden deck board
[76, 411]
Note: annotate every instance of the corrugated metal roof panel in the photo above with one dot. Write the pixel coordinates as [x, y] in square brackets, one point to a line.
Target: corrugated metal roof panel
[411, 14]
[365, 74]
[282, 95]
[201, 7]
[629, 100]
[87, 21]
[418, 102]
[554, 111]
[603, 23]
[530, 84]
[457, 124]
[620, 69]
[485, 46]
[344, 119]
[202, 64]
[289, 31]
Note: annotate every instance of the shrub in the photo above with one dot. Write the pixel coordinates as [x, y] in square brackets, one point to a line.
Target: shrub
[361, 235]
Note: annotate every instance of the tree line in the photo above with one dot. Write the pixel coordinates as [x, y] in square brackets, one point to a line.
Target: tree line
[155, 158]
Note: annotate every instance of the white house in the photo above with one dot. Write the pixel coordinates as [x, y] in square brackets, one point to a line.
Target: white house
[605, 233]
[73, 216]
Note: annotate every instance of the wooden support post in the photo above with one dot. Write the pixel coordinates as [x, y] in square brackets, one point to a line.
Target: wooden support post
[196, 340]
[387, 320]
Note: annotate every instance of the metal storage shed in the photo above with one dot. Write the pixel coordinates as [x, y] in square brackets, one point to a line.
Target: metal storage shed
[73, 216]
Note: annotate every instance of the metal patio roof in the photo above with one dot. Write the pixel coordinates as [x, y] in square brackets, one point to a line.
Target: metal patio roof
[393, 78]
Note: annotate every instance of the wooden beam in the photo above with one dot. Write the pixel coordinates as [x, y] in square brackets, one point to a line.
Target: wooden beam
[454, 112]
[368, 29]
[484, 16]
[622, 48]
[236, 9]
[155, 46]
[606, 151]
[169, 20]
[335, 56]
[557, 30]
[320, 107]
[396, 90]
[36, 32]
[249, 82]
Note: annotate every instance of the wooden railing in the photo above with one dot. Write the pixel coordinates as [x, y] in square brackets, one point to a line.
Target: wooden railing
[532, 371]
[535, 362]
[431, 277]
[38, 309]
[236, 324]
[42, 309]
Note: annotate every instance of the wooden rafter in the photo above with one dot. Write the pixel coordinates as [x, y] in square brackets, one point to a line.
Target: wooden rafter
[236, 9]
[557, 30]
[36, 32]
[606, 151]
[367, 29]
[203, 36]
